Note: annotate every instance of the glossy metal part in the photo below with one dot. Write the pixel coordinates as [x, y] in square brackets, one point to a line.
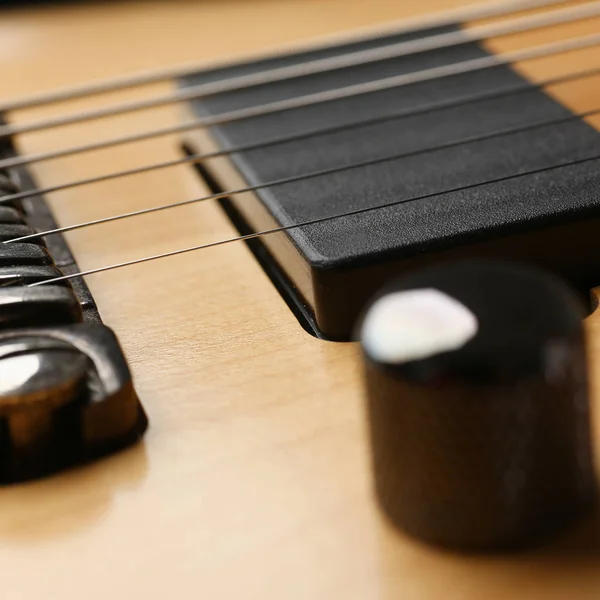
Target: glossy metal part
[24, 275]
[66, 396]
[10, 230]
[24, 254]
[9, 215]
[48, 305]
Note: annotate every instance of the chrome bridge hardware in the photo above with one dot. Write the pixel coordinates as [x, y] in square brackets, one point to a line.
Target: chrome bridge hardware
[66, 396]
[66, 392]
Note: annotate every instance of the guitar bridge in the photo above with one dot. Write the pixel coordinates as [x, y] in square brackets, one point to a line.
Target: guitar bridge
[66, 392]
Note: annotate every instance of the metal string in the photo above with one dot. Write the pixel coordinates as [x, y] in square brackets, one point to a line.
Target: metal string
[351, 91]
[312, 175]
[470, 13]
[336, 63]
[590, 9]
[266, 232]
[402, 114]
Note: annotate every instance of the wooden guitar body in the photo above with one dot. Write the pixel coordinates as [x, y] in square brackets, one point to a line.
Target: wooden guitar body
[253, 479]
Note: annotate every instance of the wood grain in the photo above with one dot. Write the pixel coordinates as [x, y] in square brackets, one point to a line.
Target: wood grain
[253, 480]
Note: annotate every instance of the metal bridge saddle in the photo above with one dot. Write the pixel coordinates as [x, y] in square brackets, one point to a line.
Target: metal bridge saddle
[66, 392]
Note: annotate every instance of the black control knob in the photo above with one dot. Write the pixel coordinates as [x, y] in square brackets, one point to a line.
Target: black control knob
[478, 407]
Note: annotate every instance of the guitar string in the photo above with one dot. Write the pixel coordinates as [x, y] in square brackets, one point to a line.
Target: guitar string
[351, 91]
[471, 13]
[312, 175]
[336, 63]
[266, 232]
[270, 231]
[402, 114]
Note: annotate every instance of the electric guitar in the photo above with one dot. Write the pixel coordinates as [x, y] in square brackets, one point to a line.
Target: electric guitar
[262, 169]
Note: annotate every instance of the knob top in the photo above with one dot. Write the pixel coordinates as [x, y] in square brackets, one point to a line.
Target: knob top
[408, 325]
[477, 321]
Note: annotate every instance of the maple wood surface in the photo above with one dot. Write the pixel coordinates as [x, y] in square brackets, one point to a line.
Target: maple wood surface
[253, 479]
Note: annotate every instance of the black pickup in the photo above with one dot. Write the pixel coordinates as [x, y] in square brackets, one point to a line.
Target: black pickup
[481, 164]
